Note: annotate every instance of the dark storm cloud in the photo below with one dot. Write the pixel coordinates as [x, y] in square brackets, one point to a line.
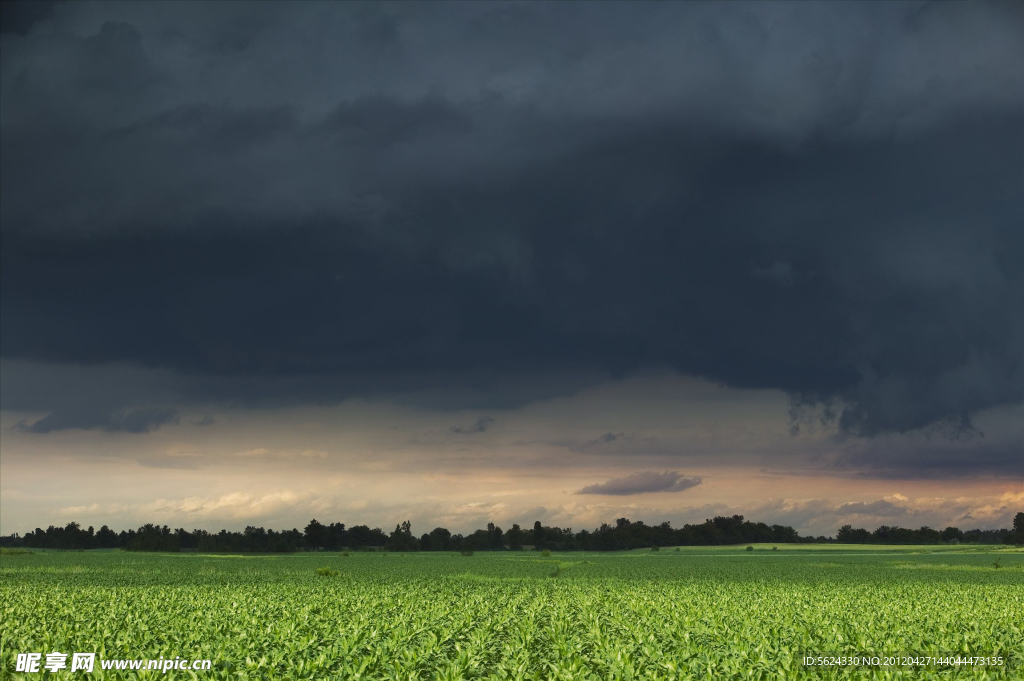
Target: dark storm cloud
[830, 206]
[481, 424]
[224, 130]
[19, 16]
[119, 421]
[609, 442]
[623, 444]
[912, 459]
[881, 507]
[642, 483]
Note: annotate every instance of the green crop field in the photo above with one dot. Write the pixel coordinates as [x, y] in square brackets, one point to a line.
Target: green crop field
[709, 613]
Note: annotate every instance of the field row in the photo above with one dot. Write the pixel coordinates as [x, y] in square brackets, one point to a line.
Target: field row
[567, 616]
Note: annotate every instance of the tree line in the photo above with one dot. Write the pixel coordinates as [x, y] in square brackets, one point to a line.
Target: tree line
[887, 534]
[623, 535]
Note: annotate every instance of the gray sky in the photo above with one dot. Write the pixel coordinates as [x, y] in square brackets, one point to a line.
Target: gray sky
[461, 261]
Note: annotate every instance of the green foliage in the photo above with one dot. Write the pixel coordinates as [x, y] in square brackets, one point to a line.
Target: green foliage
[4, 551]
[468, 551]
[694, 614]
[546, 552]
[655, 548]
[750, 548]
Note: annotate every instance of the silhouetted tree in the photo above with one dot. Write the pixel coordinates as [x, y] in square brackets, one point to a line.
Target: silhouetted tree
[1016, 535]
[951, 534]
[515, 537]
[315, 534]
[401, 539]
[361, 536]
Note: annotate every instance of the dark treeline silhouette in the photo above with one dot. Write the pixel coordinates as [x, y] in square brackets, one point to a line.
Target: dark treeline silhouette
[887, 534]
[623, 535]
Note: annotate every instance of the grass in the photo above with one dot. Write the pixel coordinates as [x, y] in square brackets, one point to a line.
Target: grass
[856, 548]
[700, 612]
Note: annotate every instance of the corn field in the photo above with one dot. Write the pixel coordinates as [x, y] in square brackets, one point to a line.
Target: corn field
[714, 613]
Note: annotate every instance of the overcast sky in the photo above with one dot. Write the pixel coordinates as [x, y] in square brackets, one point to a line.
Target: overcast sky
[511, 261]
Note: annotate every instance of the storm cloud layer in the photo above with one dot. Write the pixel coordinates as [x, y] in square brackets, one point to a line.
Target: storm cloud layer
[278, 204]
[642, 483]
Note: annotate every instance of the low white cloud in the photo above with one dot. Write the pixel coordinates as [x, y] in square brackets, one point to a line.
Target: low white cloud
[261, 451]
